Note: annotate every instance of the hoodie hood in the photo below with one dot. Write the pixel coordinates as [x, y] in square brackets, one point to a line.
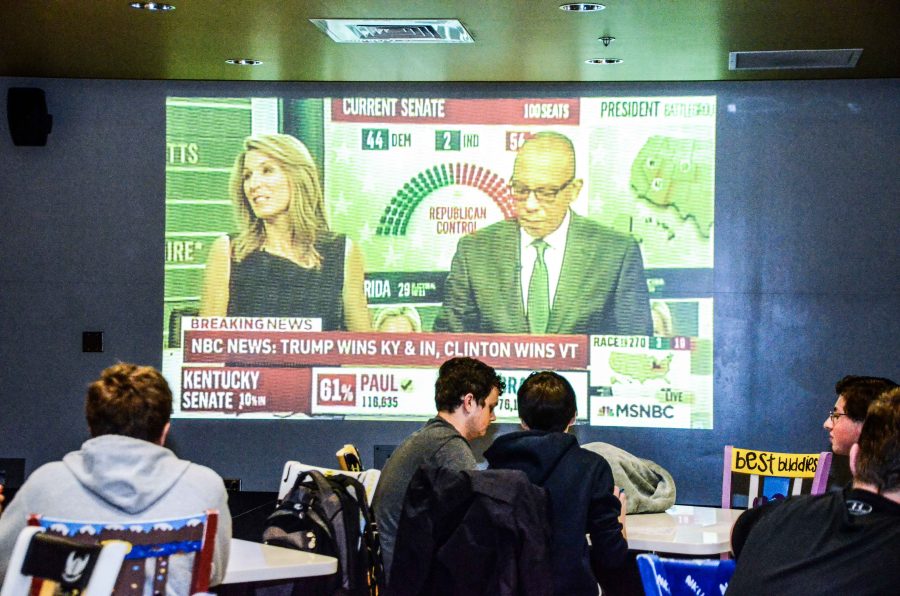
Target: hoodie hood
[128, 473]
[535, 452]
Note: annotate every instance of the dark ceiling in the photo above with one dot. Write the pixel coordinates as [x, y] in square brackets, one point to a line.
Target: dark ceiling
[515, 40]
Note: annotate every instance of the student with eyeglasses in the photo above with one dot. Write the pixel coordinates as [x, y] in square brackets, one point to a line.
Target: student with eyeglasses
[844, 422]
[549, 270]
[845, 542]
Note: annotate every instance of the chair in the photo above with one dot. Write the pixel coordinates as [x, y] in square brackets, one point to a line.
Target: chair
[76, 568]
[292, 469]
[684, 577]
[751, 478]
[494, 522]
[157, 546]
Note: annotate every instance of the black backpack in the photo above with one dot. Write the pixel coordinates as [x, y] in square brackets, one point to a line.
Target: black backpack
[330, 515]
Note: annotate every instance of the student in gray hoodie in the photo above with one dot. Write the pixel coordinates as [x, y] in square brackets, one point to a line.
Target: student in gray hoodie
[124, 473]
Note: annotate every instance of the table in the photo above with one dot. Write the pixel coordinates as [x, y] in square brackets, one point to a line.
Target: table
[255, 562]
[683, 529]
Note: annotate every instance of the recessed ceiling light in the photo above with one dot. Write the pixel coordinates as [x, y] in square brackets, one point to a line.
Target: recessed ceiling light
[152, 6]
[244, 61]
[604, 61]
[582, 7]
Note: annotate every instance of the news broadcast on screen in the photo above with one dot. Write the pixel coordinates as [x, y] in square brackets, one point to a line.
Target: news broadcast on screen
[323, 256]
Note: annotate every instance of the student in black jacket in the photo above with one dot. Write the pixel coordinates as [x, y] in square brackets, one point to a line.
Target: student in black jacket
[845, 542]
[583, 500]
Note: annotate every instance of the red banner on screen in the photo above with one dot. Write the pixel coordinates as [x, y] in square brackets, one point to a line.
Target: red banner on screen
[245, 390]
[430, 110]
[262, 348]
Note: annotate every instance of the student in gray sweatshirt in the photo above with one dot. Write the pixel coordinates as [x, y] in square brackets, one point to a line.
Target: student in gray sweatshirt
[465, 394]
[124, 473]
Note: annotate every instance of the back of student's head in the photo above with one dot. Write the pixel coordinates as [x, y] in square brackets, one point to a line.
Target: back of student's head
[460, 376]
[129, 400]
[858, 392]
[878, 458]
[546, 401]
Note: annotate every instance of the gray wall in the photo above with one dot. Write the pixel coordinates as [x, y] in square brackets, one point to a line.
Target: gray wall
[806, 262]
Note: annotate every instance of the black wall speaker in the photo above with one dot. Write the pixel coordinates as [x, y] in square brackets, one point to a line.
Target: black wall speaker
[26, 112]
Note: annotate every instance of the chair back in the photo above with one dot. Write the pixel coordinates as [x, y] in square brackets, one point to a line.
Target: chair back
[751, 478]
[155, 546]
[684, 577]
[292, 469]
[74, 567]
[495, 522]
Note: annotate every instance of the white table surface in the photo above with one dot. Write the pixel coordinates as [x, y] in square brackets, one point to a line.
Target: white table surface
[254, 562]
[683, 529]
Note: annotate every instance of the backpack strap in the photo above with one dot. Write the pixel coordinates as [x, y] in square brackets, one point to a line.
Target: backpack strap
[358, 492]
[369, 547]
[343, 511]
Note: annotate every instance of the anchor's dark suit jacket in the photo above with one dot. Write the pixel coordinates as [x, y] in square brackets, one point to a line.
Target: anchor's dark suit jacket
[602, 288]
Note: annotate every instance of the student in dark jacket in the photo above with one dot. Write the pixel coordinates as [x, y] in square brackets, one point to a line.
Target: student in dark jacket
[844, 542]
[583, 500]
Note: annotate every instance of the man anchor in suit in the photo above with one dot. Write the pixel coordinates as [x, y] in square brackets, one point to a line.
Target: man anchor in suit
[549, 270]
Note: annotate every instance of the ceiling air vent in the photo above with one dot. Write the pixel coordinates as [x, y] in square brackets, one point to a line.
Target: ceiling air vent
[792, 59]
[394, 30]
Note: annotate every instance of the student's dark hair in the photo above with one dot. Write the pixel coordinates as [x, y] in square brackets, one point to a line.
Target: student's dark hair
[858, 392]
[129, 400]
[459, 376]
[878, 459]
[546, 401]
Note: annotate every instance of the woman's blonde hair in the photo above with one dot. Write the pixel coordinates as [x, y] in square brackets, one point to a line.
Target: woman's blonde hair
[409, 313]
[307, 203]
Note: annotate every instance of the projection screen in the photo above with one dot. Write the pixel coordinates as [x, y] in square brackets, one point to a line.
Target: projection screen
[419, 255]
